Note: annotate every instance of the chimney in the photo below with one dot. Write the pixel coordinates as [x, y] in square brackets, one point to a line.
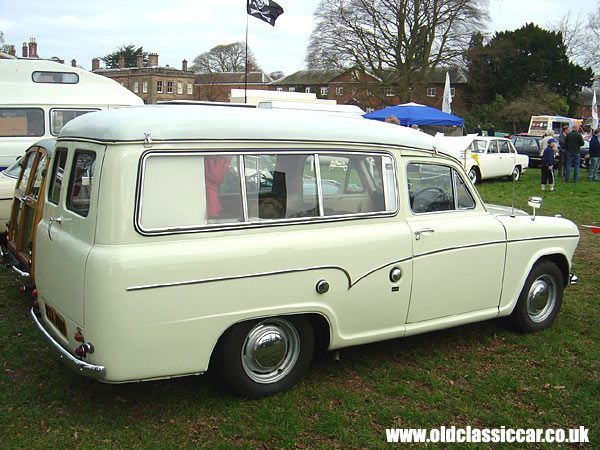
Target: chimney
[139, 61]
[33, 48]
[25, 50]
[73, 63]
[95, 64]
[12, 51]
[184, 65]
[249, 67]
[153, 59]
[121, 62]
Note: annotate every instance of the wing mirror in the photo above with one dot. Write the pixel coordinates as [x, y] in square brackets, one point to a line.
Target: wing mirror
[535, 203]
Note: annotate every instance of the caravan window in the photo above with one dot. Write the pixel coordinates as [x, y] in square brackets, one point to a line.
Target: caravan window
[60, 117]
[21, 122]
[55, 77]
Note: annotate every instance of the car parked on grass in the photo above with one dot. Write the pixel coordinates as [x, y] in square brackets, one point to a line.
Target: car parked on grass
[18, 249]
[495, 157]
[530, 146]
[147, 269]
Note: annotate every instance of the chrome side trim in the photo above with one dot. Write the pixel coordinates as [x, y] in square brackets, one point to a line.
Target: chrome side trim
[87, 369]
[544, 237]
[459, 247]
[264, 274]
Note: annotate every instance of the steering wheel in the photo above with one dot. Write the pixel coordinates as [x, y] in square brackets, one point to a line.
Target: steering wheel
[441, 198]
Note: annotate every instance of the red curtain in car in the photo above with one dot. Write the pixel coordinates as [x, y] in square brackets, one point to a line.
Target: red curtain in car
[215, 168]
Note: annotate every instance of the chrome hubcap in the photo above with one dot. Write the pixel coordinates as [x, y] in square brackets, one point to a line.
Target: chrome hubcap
[270, 350]
[541, 298]
[473, 176]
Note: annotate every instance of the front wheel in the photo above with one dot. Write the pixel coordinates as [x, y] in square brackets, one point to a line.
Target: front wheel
[262, 357]
[540, 299]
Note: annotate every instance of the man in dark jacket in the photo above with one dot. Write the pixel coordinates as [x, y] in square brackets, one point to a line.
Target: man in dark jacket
[594, 156]
[562, 161]
[573, 142]
[491, 130]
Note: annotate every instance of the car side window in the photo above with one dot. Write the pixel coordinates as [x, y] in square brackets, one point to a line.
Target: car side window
[504, 146]
[493, 149]
[435, 188]
[58, 170]
[81, 182]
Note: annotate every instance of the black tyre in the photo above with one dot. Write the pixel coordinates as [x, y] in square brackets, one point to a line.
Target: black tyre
[516, 173]
[474, 175]
[259, 358]
[540, 299]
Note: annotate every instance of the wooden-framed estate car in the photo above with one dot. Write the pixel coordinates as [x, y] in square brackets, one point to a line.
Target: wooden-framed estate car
[155, 258]
[27, 208]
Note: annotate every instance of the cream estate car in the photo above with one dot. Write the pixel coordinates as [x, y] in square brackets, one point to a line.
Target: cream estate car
[495, 157]
[156, 259]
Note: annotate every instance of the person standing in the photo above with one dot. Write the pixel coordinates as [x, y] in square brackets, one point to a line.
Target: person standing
[478, 130]
[491, 131]
[594, 156]
[562, 160]
[547, 136]
[547, 164]
[573, 142]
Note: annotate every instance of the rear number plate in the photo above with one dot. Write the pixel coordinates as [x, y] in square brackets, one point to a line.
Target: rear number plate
[56, 320]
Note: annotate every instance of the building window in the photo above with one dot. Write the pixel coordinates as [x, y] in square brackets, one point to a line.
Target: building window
[339, 90]
[279, 89]
[452, 92]
[370, 109]
[324, 91]
[145, 87]
[431, 92]
[169, 87]
[179, 87]
[292, 89]
[307, 90]
[136, 87]
[190, 88]
[159, 87]
[389, 93]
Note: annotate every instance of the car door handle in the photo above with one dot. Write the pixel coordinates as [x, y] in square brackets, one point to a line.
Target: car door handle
[420, 232]
[58, 220]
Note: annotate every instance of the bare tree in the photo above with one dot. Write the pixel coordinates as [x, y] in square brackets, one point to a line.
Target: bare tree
[580, 35]
[224, 58]
[399, 41]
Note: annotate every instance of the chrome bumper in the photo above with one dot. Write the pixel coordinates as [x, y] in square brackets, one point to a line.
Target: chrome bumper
[84, 368]
[573, 279]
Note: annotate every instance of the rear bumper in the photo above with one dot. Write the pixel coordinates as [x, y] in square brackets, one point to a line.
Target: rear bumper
[84, 368]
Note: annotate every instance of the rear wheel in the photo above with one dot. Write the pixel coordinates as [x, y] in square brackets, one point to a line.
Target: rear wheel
[516, 173]
[540, 299]
[262, 357]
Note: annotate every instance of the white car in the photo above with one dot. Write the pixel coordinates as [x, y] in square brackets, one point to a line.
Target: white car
[8, 181]
[493, 157]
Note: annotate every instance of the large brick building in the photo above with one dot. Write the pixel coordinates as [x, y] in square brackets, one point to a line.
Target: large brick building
[150, 81]
[369, 92]
[217, 86]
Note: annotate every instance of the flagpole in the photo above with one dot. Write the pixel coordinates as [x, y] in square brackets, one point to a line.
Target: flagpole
[246, 59]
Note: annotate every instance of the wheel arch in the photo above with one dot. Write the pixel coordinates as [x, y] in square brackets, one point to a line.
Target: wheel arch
[559, 259]
[319, 322]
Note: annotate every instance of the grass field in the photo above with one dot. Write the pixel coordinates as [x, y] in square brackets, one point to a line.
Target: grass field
[482, 375]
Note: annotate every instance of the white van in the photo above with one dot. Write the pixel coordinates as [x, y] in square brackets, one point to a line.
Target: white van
[38, 97]
[157, 258]
[539, 125]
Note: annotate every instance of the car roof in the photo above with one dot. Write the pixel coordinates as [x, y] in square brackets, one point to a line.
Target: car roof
[198, 122]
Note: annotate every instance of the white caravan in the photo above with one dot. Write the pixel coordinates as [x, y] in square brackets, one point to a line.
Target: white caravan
[38, 97]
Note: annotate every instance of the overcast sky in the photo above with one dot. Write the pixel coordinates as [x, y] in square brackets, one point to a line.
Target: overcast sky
[183, 29]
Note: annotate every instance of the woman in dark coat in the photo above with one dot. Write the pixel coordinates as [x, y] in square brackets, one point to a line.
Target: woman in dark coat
[548, 165]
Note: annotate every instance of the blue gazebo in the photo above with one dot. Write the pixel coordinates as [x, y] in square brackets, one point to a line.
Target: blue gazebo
[413, 113]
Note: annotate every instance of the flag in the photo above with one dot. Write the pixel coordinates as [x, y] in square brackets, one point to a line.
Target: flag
[594, 113]
[265, 10]
[447, 101]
